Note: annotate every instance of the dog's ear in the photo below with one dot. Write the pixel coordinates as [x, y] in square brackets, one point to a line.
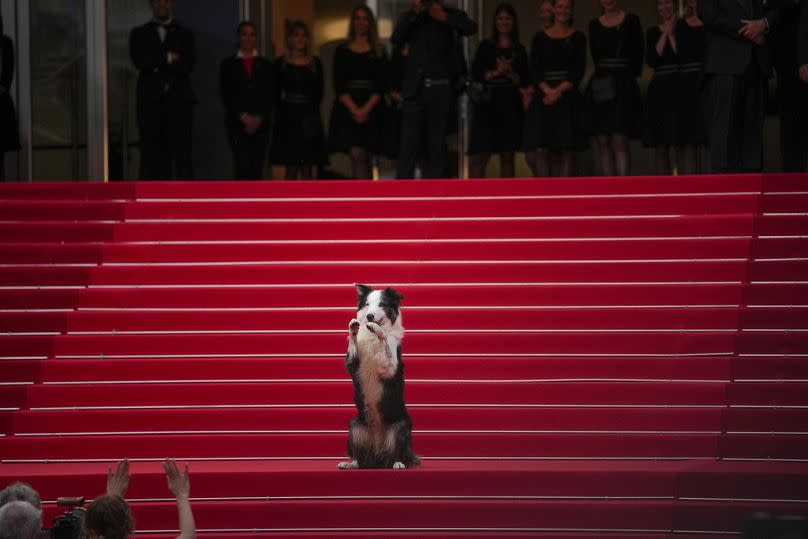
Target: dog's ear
[393, 294]
[362, 292]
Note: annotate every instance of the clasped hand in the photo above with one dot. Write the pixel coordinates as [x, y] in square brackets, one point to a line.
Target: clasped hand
[753, 30]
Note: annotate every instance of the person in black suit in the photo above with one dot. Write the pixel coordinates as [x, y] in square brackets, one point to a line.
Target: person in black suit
[9, 133]
[737, 66]
[164, 54]
[433, 33]
[792, 94]
[248, 90]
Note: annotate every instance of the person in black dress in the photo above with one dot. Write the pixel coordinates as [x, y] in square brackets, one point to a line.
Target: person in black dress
[664, 91]
[164, 53]
[298, 141]
[9, 133]
[616, 44]
[247, 83]
[359, 83]
[435, 62]
[557, 64]
[500, 65]
[691, 44]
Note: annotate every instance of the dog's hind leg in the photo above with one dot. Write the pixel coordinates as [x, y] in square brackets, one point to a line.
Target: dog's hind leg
[399, 442]
[359, 444]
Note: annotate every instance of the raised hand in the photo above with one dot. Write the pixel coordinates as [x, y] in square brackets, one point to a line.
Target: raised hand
[178, 482]
[118, 482]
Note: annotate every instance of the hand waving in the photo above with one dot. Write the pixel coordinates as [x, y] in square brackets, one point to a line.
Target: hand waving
[118, 482]
[178, 482]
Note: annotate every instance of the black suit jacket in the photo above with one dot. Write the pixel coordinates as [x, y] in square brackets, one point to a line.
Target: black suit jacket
[727, 52]
[435, 47]
[241, 94]
[158, 79]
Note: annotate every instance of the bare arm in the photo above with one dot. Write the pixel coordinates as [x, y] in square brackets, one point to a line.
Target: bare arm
[180, 485]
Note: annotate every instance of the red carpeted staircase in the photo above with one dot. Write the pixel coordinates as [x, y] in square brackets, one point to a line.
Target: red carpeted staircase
[586, 358]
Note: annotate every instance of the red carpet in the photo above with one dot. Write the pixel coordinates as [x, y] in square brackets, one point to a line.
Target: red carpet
[586, 358]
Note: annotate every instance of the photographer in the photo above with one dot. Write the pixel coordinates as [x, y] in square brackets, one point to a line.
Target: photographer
[432, 32]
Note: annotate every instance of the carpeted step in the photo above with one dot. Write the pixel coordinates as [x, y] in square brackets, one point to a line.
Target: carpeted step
[418, 392]
[427, 444]
[550, 369]
[647, 249]
[402, 272]
[416, 319]
[479, 228]
[329, 418]
[571, 296]
[449, 344]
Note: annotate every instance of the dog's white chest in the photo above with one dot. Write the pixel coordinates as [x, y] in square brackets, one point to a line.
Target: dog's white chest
[376, 363]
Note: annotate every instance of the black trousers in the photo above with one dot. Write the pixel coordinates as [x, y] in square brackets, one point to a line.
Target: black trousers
[735, 106]
[792, 95]
[166, 134]
[426, 113]
[249, 153]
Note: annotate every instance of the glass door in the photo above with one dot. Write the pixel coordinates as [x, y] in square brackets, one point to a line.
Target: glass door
[58, 71]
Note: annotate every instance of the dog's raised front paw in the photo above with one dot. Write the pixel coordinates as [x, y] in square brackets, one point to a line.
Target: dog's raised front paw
[353, 327]
[399, 466]
[353, 465]
[376, 329]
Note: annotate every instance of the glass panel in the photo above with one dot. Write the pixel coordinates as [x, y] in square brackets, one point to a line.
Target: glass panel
[122, 16]
[59, 90]
[331, 21]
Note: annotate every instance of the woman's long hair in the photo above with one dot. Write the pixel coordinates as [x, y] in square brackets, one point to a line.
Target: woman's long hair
[514, 35]
[373, 28]
[109, 516]
[291, 28]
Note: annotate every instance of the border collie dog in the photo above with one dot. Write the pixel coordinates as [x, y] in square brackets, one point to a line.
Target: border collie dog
[381, 435]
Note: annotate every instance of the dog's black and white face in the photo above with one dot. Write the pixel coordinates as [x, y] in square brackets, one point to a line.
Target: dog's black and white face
[379, 306]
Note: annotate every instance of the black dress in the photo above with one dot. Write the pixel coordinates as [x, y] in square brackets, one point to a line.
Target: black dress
[558, 127]
[9, 129]
[662, 102]
[617, 53]
[359, 75]
[298, 137]
[496, 125]
[692, 44]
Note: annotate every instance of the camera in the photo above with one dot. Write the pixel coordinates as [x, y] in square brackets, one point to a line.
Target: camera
[71, 523]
